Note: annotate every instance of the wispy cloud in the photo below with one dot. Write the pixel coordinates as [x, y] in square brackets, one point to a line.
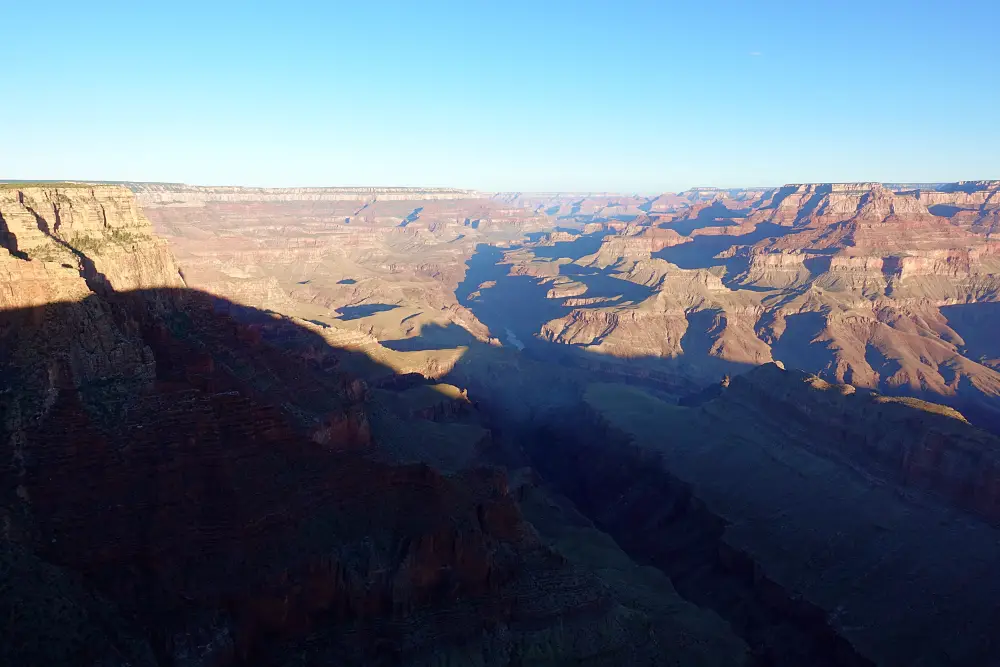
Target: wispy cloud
[756, 53]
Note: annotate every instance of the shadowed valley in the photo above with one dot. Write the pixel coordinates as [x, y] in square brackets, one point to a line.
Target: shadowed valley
[400, 427]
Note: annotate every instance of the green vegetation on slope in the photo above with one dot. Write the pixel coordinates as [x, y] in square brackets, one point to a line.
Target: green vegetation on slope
[87, 244]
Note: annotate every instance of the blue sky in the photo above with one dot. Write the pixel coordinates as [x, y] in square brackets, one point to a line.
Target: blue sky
[625, 95]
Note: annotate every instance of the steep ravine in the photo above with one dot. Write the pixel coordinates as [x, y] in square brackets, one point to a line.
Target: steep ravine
[655, 518]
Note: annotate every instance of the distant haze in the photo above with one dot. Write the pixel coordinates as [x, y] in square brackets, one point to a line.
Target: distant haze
[517, 96]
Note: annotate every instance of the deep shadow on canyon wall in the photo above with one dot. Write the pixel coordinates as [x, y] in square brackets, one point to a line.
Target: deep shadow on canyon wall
[537, 411]
[850, 445]
[185, 476]
[655, 517]
[204, 469]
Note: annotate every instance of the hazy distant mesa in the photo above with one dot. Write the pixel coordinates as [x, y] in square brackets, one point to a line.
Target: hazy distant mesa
[166, 193]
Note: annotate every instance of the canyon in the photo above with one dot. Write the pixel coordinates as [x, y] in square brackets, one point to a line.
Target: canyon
[188, 481]
[883, 286]
[858, 283]
[406, 426]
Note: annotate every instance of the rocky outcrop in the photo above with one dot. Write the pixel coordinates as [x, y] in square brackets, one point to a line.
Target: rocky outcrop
[628, 332]
[96, 231]
[814, 270]
[700, 342]
[783, 206]
[830, 202]
[966, 202]
[774, 270]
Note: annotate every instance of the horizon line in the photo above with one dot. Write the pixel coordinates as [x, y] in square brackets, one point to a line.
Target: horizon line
[590, 192]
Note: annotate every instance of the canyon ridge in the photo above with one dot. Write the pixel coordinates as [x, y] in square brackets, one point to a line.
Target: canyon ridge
[405, 426]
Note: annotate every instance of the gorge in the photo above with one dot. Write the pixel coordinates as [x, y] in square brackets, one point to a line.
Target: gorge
[391, 426]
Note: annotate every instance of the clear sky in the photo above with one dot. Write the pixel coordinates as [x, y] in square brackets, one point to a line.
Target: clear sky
[540, 95]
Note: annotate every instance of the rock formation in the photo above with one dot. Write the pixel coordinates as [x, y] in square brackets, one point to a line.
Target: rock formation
[91, 233]
[856, 281]
[188, 480]
[401, 428]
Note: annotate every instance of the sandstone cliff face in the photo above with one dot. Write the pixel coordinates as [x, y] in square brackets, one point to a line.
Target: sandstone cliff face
[774, 270]
[964, 197]
[63, 245]
[97, 231]
[831, 202]
[618, 248]
[784, 205]
[623, 333]
[35, 283]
